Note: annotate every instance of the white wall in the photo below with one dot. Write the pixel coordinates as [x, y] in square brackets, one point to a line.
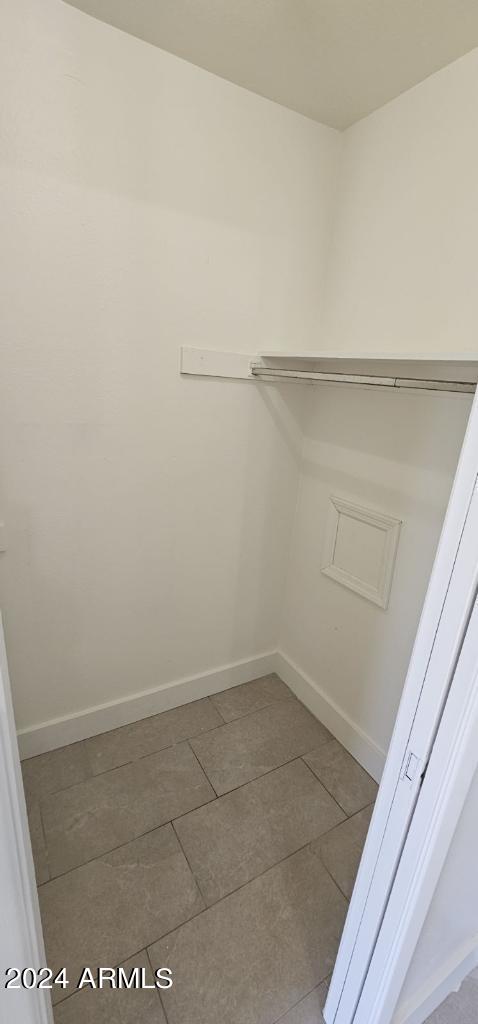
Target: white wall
[401, 278]
[451, 926]
[145, 204]
[395, 452]
[402, 272]
[149, 205]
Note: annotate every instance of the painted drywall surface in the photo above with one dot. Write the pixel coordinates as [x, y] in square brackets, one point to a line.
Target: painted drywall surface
[396, 453]
[145, 205]
[403, 270]
[452, 920]
[401, 277]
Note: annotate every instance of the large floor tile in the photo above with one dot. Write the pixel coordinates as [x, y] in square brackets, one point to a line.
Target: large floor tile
[37, 838]
[250, 957]
[342, 775]
[110, 809]
[119, 746]
[253, 696]
[250, 746]
[309, 1010]
[103, 912]
[341, 849]
[232, 840]
[55, 770]
[114, 1006]
[461, 1007]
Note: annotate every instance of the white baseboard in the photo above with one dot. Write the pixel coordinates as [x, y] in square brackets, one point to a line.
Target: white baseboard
[440, 985]
[59, 731]
[71, 728]
[353, 738]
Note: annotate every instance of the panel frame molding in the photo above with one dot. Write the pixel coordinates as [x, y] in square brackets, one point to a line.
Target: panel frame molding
[389, 525]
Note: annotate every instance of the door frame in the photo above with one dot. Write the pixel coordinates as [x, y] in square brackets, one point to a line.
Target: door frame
[440, 636]
[21, 937]
[450, 772]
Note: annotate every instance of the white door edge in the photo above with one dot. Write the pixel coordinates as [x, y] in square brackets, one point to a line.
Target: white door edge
[452, 766]
[437, 646]
[21, 938]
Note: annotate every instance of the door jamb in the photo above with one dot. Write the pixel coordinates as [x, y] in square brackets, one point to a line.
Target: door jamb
[445, 613]
[21, 940]
[451, 769]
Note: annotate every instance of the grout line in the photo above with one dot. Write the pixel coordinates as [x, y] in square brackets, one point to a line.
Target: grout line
[337, 801]
[127, 842]
[74, 743]
[348, 898]
[218, 709]
[45, 844]
[226, 896]
[124, 764]
[184, 739]
[257, 711]
[119, 963]
[193, 917]
[222, 796]
[334, 798]
[157, 714]
[322, 783]
[163, 1007]
[154, 828]
[334, 880]
[172, 820]
[329, 830]
[317, 779]
[318, 985]
[207, 907]
[99, 856]
[205, 803]
[134, 760]
[270, 867]
[158, 991]
[41, 797]
[190, 868]
[295, 757]
[210, 906]
[52, 792]
[340, 823]
[269, 704]
[204, 772]
[291, 760]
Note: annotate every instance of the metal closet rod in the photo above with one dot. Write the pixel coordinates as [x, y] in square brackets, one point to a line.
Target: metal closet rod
[272, 373]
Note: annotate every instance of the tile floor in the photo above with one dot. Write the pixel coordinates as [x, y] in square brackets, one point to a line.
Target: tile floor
[220, 839]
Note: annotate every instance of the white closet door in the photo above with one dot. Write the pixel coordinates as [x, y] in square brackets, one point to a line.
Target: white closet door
[21, 940]
[451, 770]
[440, 635]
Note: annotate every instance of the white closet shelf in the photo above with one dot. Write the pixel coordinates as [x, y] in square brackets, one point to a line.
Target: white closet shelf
[426, 372]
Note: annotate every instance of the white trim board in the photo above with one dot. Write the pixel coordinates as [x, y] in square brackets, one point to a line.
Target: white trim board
[59, 731]
[71, 728]
[211, 363]
[446, 979]
[353, 738]
[386, 527]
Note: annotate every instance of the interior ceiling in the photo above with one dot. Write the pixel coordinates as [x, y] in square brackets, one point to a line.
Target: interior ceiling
[332, 60]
